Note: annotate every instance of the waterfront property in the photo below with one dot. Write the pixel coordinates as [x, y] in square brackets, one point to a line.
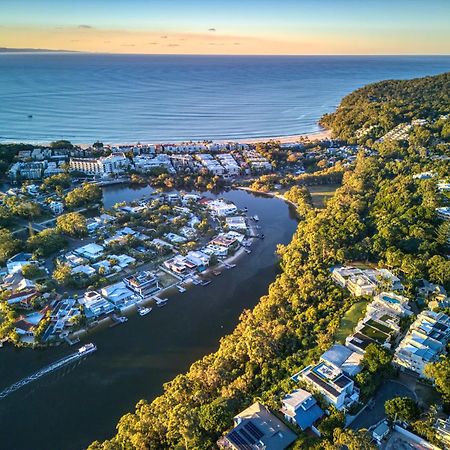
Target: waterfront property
[301, 408]
[257, 428]
[337, 388]
[143, 283]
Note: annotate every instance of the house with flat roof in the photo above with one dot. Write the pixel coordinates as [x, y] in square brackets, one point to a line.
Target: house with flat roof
[425, 342]
[95, 305]
[256, 428]
[143, 283]
[301, 408]
[236, 223]
[337, 388]
[221, 208]
[365, 281]
[344, 359]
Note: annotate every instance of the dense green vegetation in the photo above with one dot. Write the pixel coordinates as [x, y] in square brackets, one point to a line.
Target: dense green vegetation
[380, 214]
[379, 107]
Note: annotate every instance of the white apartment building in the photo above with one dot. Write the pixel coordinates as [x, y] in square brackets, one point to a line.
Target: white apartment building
[114, 163]
[424, 343]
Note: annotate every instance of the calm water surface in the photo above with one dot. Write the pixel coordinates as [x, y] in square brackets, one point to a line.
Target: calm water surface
[69, 409]
[149, 98]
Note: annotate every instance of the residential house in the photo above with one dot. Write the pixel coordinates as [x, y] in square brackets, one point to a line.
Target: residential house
[90, 251]
[95, 305]
[343, 358]
[16, 262]
[143, 283]
[256, 428]
[118, 294]
[301, 408]
[337, 388]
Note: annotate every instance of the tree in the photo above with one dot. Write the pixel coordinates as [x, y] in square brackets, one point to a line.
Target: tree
[439, 270]
[439, 371]
[8, 244]
[46, 242]
[352, 440]
[376, 358]
[335, 420]
[401, 408]
[62, 274]
[72, 224]
[87, 194]
[32, 271]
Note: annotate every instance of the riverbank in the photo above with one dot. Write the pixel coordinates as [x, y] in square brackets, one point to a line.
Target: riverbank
[169, 291]
[134, 360]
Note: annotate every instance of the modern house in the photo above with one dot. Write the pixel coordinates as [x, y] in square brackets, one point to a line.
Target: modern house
[143, 283]
[343, 358]
[95, 305]
[301, 408]
[442, 428]
[338, 389]
[424, 343]
[256, 428]
[221, 208]
[118, 294]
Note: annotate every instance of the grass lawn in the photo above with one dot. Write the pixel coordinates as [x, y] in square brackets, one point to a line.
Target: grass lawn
[373, 333]
[350, 319]
[321, 193]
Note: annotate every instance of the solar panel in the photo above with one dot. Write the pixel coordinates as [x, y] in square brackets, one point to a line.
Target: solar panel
[237, 440]
[247, 436]
[254, 430]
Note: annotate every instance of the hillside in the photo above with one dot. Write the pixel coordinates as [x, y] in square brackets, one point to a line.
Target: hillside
[386, 104]
[381, 214]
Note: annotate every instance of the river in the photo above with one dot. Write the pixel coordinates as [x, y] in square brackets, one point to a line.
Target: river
[69, 409]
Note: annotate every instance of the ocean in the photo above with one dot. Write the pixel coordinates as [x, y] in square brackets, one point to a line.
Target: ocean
[149, 98]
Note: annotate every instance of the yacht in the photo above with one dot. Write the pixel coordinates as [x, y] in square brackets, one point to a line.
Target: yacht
[88, 348]
[145, 311]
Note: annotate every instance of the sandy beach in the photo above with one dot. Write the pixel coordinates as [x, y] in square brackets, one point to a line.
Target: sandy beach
[317, 135]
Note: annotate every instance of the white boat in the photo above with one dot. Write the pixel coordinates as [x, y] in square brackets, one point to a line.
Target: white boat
[145, 311]
[160, 302]
[255, 218]
[88, 348]
[181, 288]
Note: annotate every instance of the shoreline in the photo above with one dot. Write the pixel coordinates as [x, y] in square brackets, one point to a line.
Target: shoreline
[287, 139]
[168, 291]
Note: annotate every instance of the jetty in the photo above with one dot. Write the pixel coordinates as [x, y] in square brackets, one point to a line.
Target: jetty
[81, 353]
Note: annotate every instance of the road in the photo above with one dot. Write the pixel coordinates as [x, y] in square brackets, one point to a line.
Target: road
[388, 390]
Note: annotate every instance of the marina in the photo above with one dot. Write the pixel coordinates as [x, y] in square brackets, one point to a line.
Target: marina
[136, 359]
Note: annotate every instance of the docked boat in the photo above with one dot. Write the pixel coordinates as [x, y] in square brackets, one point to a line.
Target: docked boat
[181, 288]
[145, 311]
[255, 218]
[160, 302]
[206, 282]
[217, 272]
[88, 348]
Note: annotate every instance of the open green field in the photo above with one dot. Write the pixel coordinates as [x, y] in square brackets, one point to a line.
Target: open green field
[349, 321]
[321, 193]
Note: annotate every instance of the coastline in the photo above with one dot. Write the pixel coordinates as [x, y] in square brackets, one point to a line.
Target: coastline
[288, 139]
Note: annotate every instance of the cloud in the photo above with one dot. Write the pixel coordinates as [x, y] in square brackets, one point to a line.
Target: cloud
[107, 42]
[173, 45]
[212, 30]
[127, 45]
[236, 43]
[85, 27]
[164, 37]
[153, 43]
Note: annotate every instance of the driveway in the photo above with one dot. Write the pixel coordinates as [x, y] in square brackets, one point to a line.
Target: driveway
[388, 390]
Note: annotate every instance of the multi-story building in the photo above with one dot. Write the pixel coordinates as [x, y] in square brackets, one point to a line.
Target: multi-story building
[142, 283]
[337, 388]
[114, 163]
[424, 343]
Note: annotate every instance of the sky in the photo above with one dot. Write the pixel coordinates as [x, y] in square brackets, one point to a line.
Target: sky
[291, 27]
